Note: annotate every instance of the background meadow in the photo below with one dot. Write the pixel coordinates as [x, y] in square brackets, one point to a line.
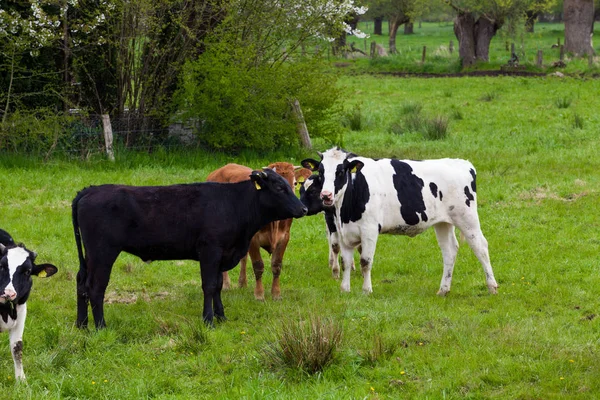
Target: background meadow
[534, 142]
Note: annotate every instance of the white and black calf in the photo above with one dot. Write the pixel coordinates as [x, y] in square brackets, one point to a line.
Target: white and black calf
[310, 196]
[16, 268]
[212, 223]
[401, 197]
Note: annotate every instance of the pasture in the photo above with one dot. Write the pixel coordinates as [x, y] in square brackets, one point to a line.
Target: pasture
[535, 145]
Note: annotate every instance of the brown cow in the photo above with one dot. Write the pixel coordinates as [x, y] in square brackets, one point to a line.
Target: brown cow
[273, 237]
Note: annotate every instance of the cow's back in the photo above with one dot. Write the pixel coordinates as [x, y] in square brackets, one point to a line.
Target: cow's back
[230, 173]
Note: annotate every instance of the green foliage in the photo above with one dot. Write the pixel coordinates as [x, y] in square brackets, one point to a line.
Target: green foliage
[240, 105]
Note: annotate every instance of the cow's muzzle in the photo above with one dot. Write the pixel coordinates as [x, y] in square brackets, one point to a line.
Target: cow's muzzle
[9, 295]
[327, 198]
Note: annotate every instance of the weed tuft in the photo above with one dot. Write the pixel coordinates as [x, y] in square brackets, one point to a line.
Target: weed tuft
[489, 96]
[308, 345]
[436, 128]
[353, 118]
[563, 102]
[380, 350]
[577, 121]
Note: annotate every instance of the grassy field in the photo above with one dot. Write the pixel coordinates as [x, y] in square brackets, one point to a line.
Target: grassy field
[437, 36]
[534, 142]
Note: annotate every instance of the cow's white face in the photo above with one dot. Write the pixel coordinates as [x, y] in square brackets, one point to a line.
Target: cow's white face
[15, 271]
[333, 170]
[16, 267]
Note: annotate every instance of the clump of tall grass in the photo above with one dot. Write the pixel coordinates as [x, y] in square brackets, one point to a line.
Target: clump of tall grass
[577, 121]
[489, 96]
[381, 349]
[353, 118]
[412, 119]
[436, 128]
[563, 102]
[308, 345]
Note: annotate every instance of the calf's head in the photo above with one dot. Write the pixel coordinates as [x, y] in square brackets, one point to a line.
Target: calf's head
[276, 195]
[336, 170]
[16, 267]
[310, 194]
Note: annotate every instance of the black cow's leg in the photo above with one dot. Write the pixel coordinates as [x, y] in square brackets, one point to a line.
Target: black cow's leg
[99, 269]
[217, 303]
[210, 260]
[83, 301]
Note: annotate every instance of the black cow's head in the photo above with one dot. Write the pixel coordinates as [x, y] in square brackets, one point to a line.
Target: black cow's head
[277, 195]
[16, 267]
[310, 194]
[336, 170]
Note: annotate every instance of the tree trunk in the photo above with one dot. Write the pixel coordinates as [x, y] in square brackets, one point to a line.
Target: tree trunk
[579, 21]
[464, 26]
[530, 17]
[474, 37]
[395, 22]
[377, 26]
[484, 32]
[409, 28]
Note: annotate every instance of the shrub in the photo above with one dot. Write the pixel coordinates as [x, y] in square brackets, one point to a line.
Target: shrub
[244, 105]
[309, 345]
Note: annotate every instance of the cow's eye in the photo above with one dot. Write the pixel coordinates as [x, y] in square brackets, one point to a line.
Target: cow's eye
[27, 272]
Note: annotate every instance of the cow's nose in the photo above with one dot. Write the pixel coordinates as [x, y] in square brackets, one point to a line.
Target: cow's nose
[325, 195]
[304, 210]
[9, 294]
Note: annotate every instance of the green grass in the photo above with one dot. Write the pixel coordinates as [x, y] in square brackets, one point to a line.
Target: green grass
[437, 36]
[538, 191]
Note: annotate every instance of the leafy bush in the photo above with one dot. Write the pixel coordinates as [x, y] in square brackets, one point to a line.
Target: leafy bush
[241, 104]
[309, 345]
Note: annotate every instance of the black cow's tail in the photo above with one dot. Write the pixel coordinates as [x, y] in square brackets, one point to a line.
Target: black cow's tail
[82, 275]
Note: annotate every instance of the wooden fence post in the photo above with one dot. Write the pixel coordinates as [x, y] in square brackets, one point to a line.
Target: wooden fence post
[451, 47]
[424, 52]
[301, 125]
[108, 136]
[562, 52]
[373, 50]
[540, 56]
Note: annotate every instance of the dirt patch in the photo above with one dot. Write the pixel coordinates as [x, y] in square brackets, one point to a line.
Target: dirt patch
[131, 297]
[541, 193]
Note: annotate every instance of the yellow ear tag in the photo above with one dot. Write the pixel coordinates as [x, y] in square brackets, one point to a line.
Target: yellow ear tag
[301, 179]
[42, 274]
[257, 186]
[354, 170]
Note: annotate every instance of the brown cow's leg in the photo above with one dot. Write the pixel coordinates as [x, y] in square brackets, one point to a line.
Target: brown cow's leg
[276, 265]
[226, 281]
[242, 280]
[259, 267]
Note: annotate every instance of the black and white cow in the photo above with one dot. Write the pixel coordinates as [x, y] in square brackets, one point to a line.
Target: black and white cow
[209, 222]
[310, 196]
[16, 268]
[405, 198]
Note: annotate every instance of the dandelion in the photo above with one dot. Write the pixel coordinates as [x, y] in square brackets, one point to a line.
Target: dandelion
[106, 381]
[561, 378]
[242, 332]
[571, 361]
[372, 389]
[402, 372]
[93, 382]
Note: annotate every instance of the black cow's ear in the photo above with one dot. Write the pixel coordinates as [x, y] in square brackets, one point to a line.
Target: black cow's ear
[355, 165]
[44, 270]
[2, 248]
[257, 177]
[311, 164]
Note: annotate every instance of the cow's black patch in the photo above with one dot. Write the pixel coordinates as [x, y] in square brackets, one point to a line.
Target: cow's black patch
[434, 189]
[379, 228]
[441, 195]
[356, 196]
[409, 189]
[473, 182]
[330, 221]
[470, 197]
[8, 310]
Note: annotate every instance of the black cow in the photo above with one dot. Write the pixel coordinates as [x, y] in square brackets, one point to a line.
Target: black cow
[16, 267]
[212, 223]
